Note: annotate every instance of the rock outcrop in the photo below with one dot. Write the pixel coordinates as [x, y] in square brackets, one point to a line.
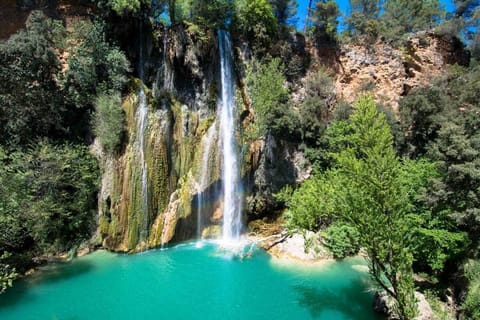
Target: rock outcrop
[389, 73]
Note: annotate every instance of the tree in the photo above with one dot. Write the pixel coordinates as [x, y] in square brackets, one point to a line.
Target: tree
[265, 83]
[466, 8]
[255, 20]
[368, 8]
[121, 6]
[30, 104]
[96, 66]
[441, 122]
[363, 21]
[211, 14]
[369, 188]
[401, 17]
[372, 195]
[284, 10]
[325, 18]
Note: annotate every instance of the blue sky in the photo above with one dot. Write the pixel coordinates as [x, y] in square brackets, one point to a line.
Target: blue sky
[344, 7]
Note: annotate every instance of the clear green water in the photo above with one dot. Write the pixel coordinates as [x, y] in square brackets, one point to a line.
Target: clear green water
[188, 282]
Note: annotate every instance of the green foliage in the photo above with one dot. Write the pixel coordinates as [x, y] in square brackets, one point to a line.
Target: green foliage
[109, 121]
[325, 20]
[363, 20]
[7, 274]
[211, 14]
[442, 123]
[471, 304]
[52, 197]
[372, 190]
[121, 6]
[284, 10]
[392, 19]
[314, 110]
[255, 20]
[305, 211]
[29, 102]
[96, 66]
[372, 195]
[401, 17]
[342, 240]
[265, 83]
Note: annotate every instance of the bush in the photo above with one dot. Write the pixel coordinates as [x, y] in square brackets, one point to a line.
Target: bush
[255, 20]
[314, 111]
[51, 197]
[471, 304]
[109, 121]
[96, 66]
[342, 240]
[265, 83]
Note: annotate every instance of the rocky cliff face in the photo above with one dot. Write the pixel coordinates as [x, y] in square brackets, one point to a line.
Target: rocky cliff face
[390, 73]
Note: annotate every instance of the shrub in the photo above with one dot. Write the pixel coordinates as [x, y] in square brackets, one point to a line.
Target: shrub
[265, 83]
[108, 121]
[342, 240]
[471, 304]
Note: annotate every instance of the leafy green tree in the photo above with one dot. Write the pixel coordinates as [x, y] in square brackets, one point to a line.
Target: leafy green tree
[284, 10]
[314, 110]
[109, 121]
[269, 97]
[442, 123]
[212, 13]
[63, 185]
[401, 17]
[372, 194]
[363, 21]
[52, 197]
[121, 6]
[372, 190]
[255, 21]
[30, 104]
[96, 66]
[325, 18]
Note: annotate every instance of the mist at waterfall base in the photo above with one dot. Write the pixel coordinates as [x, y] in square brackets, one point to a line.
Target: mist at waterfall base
[191, 281]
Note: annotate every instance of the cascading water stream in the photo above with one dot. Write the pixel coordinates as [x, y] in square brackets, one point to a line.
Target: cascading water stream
[142, 120]
[230, 171]
[141, 129]
[205, 174]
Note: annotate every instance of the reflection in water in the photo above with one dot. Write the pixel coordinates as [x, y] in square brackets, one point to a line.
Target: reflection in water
[317, 300]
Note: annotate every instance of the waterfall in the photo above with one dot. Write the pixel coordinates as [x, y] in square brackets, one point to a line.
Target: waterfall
[205, 174]
[142, 120]
[230, 170]
[141, 129]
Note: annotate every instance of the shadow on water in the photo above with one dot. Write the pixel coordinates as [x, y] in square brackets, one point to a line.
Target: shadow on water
[350, 300]
[49, 274]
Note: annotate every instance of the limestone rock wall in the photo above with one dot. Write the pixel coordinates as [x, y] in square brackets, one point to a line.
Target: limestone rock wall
[390, 73]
